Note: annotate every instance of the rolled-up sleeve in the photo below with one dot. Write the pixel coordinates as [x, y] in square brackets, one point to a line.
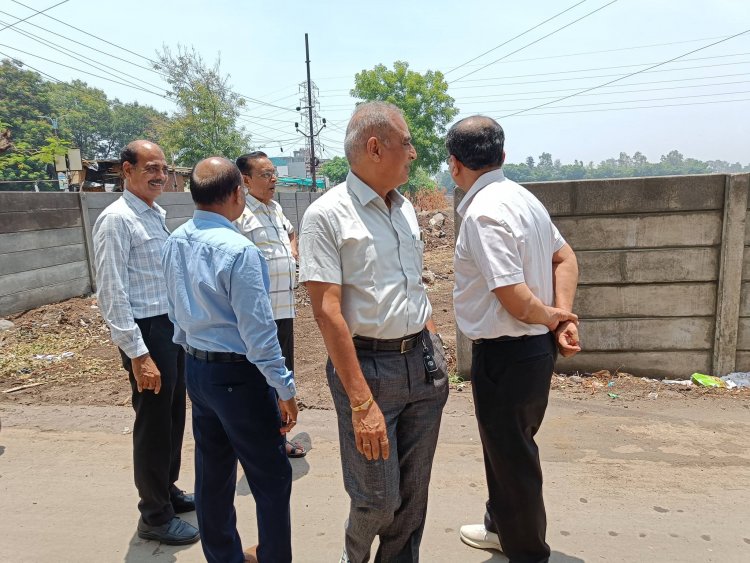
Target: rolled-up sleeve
[320, 257]
[248, 295]
[111, 253]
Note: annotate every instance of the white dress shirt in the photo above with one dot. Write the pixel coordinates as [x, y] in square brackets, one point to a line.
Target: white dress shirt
[267, 227]
[128, 240]
[351, 238]
[506, 237]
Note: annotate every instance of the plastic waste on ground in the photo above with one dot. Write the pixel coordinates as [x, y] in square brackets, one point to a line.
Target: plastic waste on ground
[683, 382]
[707, 380]
[737, 379]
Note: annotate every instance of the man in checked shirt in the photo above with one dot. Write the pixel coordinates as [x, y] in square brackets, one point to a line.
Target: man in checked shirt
[263, 222]
[128, 240]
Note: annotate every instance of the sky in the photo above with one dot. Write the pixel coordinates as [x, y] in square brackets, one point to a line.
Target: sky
[698, 104]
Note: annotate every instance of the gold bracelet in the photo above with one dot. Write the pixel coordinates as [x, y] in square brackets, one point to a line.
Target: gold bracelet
[364, 406]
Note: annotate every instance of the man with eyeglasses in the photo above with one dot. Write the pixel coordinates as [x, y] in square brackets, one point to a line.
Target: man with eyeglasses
[263, 222]
[132, 295]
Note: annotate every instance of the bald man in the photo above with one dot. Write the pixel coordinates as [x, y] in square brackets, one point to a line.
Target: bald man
[132, 296]
[218, 285]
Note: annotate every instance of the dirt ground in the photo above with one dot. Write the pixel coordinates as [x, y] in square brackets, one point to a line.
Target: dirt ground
[63, 352]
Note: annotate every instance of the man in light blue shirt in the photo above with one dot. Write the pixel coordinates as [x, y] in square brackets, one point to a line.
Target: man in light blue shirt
[217, 289]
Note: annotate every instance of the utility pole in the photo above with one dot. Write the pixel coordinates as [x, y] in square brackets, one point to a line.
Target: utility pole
[310, 134]
[310, 115]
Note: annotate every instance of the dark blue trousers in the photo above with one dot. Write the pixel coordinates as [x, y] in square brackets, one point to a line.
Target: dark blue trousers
[236, 417]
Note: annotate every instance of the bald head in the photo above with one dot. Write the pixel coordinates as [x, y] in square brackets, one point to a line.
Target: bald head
[371, 119]
[140, 149]
[477, 142]
[214, 180]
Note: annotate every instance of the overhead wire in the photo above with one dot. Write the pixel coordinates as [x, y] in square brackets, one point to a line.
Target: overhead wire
[648, 69]
[36, 13]
[591, 13]
[514, 38]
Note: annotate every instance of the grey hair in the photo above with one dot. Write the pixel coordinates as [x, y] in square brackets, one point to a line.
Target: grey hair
[370, 119]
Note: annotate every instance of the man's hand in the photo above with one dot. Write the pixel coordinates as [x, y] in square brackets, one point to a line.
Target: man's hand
[370, 433]
[567, 339]
[558, 317]
[147, 375]
[289, 413]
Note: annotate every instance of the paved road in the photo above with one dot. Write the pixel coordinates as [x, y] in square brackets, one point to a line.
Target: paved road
[639, 481]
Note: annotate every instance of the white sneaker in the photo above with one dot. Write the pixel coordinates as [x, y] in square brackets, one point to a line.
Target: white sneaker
[476, 535]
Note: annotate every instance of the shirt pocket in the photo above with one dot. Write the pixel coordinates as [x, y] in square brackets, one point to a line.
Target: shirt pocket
[419, 256]
[144, 241]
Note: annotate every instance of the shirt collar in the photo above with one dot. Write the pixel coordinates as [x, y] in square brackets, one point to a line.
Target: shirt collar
[139, 205]
[211, 217]
[254, 203]
[482, 182]
[365, 194]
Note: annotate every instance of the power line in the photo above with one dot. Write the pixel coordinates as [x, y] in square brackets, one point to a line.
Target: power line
[73, 55]
[635, 107]
[80, 43]
[36, 13]
[88, 33]
[514, 38]
[628, 75]
[130, 85]
[534, 42]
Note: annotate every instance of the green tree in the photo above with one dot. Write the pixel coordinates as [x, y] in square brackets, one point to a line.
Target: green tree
[335, 170]
[131, 121]
[206, 120]
[84, 115]
[25, 111]
[423, 98]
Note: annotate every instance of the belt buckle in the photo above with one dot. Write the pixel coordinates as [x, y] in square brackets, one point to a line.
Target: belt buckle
[403, 344]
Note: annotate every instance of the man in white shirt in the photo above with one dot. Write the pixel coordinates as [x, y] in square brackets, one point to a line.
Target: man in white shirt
[361, 259]
[516, 279]
[263, 222]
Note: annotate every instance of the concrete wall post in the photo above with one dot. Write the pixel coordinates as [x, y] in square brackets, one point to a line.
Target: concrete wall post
[730, 274]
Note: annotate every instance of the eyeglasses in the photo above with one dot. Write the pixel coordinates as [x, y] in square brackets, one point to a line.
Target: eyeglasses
[155, 169]
[265, 175]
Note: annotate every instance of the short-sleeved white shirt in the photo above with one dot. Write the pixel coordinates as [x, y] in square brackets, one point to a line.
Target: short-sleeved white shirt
[506, 237]
[349, 237]
[267, 227]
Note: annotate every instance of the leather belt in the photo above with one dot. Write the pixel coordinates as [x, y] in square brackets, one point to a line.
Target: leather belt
[215, 357]
[400, 345]
[500, 339]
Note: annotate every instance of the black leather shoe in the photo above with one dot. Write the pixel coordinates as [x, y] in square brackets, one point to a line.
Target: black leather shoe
[174, 532]
[183, 502]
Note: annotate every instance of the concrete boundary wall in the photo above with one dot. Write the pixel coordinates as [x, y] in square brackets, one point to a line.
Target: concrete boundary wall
[46, 252]
[664, 273]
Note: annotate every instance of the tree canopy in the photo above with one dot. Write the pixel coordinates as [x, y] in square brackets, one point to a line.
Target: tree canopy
[624, 166]
[335, 170]
[205, 122]
[424, 99]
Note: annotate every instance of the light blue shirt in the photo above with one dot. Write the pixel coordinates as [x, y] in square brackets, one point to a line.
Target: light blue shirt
[217, 291]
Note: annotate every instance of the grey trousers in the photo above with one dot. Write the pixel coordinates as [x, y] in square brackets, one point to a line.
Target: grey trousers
[389, 498]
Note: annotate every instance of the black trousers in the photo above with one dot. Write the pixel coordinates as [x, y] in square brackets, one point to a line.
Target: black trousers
[510, 382]
[159, 422]
[285, 332]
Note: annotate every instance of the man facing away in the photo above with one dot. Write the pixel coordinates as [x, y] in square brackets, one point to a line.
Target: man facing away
[516, 279]
[217, 288]
[132, 296]
[361, 259]
[264, 223]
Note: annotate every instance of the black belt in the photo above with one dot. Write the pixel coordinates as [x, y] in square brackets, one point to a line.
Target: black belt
[389, 345]
[217, 357]
[501, 339]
